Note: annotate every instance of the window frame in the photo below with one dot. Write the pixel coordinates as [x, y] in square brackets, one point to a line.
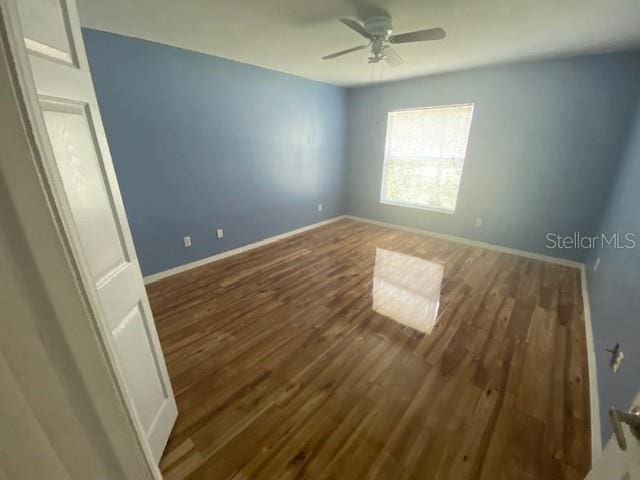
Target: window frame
[384, 160]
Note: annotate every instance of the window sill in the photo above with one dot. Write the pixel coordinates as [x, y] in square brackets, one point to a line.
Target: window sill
[418, 207]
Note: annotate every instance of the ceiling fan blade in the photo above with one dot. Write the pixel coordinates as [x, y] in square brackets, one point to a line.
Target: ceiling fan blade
[353, 25]
[392, 57]
[419, 36]
[344, 52]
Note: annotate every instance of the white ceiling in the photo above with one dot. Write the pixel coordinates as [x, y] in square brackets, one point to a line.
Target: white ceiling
[291, 35]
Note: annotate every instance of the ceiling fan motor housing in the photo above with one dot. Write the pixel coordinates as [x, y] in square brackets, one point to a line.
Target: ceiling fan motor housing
[378, 26]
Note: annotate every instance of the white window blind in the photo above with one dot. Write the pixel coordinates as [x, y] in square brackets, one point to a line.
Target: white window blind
[424, 156]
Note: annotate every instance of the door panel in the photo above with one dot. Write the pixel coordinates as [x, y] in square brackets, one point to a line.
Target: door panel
[121, 295]
[85, 186]
[82, 178]
[46, 29]
[143, 376]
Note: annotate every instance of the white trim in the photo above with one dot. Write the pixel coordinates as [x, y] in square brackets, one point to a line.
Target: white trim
[594, 401]
[431, 107]
[229, 253]
[466, 241]
[419, 207]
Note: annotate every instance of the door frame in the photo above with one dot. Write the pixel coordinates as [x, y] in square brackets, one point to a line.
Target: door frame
[13, 51]
[594, 399]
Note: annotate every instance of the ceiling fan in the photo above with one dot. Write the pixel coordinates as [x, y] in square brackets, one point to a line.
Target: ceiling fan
[378, 31]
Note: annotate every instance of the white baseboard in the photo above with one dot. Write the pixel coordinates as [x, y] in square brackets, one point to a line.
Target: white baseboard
[594, 401]
[229, 253]
[466, 241]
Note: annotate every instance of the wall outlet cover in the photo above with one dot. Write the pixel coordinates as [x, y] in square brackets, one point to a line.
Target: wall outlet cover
[319, 207]
[187, 241]
[479, 222]
[220, 233]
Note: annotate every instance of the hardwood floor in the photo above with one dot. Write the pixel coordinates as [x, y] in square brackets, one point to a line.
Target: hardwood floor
[321, 356]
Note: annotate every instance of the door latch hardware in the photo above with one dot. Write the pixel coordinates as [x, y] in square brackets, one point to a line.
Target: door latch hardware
[631, 418]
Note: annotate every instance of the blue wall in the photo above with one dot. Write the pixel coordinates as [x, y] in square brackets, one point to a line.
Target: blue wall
[614, 289]
[199, 142]
[543, 150]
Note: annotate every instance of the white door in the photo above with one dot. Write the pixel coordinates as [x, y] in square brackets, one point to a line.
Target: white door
[85, 190]
[616, 463]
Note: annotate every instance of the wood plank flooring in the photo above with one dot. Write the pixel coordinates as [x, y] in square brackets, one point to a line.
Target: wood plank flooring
[354, 351]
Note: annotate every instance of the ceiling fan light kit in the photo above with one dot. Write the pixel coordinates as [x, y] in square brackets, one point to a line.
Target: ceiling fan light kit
[378, 26]
[378, 30]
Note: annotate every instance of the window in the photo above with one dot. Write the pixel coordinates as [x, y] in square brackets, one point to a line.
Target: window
[424, 156]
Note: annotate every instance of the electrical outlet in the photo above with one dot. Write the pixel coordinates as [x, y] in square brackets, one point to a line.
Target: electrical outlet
[187, 241]
[220, 233]
[478, 222]
[596, 264]
[319, 207]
